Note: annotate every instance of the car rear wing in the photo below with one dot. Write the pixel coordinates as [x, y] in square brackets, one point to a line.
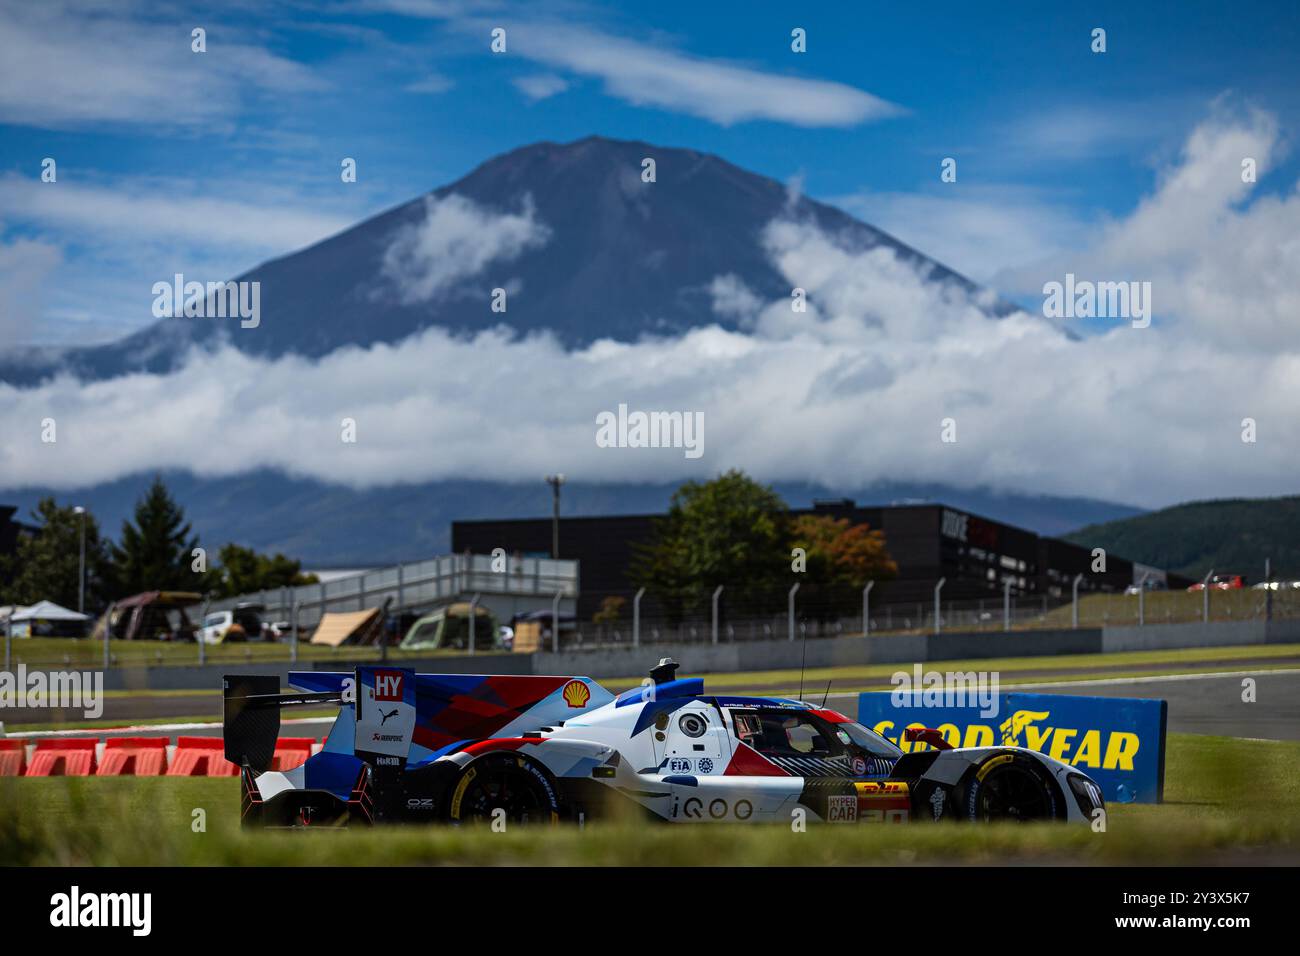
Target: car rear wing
[251, 716]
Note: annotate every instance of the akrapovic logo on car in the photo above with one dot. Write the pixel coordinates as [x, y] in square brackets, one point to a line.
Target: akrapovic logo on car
[1119, 742]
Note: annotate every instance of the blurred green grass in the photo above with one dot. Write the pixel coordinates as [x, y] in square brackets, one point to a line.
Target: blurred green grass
[85, 652]
[1227, 800]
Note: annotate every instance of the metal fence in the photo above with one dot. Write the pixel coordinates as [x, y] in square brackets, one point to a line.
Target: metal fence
[416, 585]
[993, 614]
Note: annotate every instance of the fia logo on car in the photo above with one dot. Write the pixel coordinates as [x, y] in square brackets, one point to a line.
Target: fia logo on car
[679, 765]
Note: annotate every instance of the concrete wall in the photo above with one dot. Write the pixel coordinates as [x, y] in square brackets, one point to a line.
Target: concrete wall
[788, 655]
[705, 658]
[209, 676]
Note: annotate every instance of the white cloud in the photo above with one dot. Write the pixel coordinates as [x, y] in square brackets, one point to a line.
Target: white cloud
[67, 65]
[1223, 260]
[117, 237]
[716, 90]
[432, 84]
[169, 212]
[540, 86]
[850, 392]
[25, 267]
[734, 299]
[455, 240]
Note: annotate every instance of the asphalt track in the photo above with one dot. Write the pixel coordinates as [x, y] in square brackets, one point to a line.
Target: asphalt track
[1198, 704]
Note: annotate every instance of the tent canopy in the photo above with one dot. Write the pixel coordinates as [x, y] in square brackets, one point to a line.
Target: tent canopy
[47, 611]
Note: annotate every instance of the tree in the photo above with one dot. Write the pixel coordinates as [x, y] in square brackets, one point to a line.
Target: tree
[244, 571]
[841, 559]
[611, 606]
[46, 565]
[730, 531]
[156, 551]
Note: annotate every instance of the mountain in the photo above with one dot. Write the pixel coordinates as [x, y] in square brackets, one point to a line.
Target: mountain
[608, 256]
[1232, 535]
[620, 259]
[333, 526]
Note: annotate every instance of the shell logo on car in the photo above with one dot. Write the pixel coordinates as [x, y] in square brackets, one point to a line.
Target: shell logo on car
[576, 694]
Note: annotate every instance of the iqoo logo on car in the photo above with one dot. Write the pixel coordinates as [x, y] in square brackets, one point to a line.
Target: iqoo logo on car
[696, 808]
[1103, 750]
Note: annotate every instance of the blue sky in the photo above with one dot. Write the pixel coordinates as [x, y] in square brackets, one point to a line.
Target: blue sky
[174, 161]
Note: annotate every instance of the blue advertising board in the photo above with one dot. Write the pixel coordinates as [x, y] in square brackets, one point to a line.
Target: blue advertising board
[1117, 741]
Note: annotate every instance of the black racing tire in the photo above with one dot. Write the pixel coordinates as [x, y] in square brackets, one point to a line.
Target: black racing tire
[505, 781]
[1010, 786]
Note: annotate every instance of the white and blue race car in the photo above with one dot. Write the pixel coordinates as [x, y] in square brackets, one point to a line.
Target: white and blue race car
[458, 748]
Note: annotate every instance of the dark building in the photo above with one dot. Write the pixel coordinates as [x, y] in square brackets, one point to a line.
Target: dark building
[975, 555]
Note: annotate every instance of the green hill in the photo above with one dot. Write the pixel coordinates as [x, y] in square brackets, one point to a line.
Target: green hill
[1230, 535]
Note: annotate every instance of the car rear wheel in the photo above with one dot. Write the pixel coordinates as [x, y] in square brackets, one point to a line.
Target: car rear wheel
[1010, 786]
[504, 787]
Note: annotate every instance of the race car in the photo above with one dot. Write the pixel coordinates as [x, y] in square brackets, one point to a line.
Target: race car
[461, 748]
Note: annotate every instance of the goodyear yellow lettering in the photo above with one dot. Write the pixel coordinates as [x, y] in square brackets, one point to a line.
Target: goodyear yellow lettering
[1089, 752]
[1061, 743]
[1121, 750]
[1036, 737]
[951, 734]
[979, 735]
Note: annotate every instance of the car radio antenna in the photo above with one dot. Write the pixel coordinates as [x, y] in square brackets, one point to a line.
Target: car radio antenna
[827, 694]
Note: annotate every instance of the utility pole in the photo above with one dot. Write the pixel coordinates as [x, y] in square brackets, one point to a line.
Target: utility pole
[555, 481]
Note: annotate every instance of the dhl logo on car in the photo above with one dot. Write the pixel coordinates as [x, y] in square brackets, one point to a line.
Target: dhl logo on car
[1104, 750]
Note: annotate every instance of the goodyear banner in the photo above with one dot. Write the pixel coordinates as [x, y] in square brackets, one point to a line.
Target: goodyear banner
[1117, 741]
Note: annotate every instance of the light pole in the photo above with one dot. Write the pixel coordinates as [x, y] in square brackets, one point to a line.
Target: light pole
[555, 481]
[81, 568]
[938, 626]
[1074, 601]
[1205, 596]
[790, 609]
[636, 617]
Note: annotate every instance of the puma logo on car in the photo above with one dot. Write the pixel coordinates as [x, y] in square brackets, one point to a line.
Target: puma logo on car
[391, 713]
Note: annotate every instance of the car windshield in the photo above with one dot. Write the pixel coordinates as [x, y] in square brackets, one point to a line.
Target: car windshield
[796, 733]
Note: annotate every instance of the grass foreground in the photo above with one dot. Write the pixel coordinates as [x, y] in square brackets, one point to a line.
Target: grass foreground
[1226, 801]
